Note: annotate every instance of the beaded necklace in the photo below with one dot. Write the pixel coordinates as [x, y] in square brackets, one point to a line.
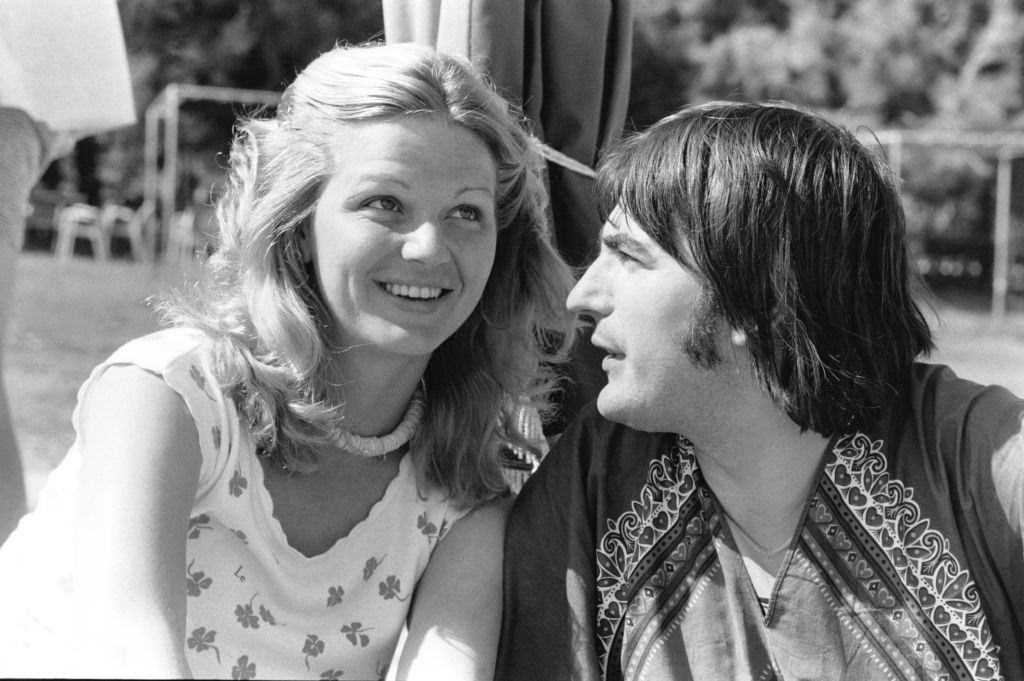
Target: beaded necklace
[373, 447]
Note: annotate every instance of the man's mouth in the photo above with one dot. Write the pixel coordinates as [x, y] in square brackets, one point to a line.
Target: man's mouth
[612, 352]
[414, 292]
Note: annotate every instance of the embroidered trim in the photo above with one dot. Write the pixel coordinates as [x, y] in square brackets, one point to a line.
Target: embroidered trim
[670, 483]
[641, 635]
[920, 555]
[858, 620]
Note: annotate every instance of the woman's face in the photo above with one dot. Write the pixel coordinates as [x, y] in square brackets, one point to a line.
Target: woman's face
[403, 237]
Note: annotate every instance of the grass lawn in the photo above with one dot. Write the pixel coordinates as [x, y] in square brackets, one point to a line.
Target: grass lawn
[70, 315]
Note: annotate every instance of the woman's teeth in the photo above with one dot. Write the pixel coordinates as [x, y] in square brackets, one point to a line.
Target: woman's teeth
[406, 291]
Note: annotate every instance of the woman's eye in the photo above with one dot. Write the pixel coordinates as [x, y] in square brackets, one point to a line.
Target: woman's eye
[467, 213]
[384, 203]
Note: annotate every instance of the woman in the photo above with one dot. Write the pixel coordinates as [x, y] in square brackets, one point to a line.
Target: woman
[315, 441]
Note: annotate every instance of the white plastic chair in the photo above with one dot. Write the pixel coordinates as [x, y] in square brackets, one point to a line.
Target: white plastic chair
[120, 220]
[81, 220]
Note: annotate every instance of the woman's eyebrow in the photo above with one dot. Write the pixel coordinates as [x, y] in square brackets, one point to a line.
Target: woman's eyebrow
[380, 178]
[487, 189]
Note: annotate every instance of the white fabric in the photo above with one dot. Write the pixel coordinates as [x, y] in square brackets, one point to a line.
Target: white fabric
[255, 604]
[65, 64]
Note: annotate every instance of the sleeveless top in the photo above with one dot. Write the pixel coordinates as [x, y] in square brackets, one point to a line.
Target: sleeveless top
[255, 605]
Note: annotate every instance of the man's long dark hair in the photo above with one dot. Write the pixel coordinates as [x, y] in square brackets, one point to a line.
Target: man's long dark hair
[797, 233]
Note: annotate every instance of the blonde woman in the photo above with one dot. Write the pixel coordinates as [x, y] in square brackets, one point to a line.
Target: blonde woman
[307, 461]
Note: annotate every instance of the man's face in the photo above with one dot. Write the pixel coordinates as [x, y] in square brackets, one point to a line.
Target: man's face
[660, 329]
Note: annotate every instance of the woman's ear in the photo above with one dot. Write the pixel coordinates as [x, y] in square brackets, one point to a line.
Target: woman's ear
[739, 337]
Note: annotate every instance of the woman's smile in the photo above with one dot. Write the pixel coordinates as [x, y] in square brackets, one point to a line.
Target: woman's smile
[414, 292]
[404, 235]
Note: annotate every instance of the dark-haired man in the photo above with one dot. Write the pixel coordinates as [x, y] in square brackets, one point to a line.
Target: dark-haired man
[770, 486]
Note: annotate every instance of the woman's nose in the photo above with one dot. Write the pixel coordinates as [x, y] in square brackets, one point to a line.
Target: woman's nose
[426, 244]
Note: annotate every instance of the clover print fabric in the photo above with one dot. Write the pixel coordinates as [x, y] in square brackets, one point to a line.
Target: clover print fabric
[257, 608]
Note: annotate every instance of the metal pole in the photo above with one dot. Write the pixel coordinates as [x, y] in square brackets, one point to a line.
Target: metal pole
[150, 149]
[1001, 238]
[170, 169]
[151, 180]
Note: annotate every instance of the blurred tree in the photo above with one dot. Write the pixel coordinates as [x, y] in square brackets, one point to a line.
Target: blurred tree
[888, 63]
[253, 44]
[897, 60]
[663, 61]
[257, 44]
[989, 92]
[875, 63]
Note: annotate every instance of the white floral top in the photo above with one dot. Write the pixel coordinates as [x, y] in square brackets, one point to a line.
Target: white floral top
[256, 606]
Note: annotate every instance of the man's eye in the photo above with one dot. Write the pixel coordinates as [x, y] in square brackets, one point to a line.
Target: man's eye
[384, 203]
[621, 255]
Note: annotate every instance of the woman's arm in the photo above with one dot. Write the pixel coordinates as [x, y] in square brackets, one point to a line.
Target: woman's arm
[139, 476]
[456, 612]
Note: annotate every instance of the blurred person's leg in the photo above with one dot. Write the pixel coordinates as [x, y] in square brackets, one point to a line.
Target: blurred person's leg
[19, 168]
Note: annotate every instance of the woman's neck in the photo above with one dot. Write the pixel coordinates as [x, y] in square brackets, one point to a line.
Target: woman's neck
[376, 388]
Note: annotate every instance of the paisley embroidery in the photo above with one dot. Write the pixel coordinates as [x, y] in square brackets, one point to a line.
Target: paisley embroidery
[670, 483]
[919, 554]
[909, 590]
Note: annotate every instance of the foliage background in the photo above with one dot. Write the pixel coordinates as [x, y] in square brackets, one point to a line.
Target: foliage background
[874, 64]
[931, 64]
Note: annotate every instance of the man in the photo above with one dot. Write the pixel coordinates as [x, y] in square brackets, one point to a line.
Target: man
[770, 487]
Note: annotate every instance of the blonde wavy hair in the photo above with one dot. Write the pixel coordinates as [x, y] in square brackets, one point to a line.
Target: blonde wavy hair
[260, 304]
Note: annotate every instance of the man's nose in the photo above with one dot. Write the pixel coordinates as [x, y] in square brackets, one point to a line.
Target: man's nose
[590, 295]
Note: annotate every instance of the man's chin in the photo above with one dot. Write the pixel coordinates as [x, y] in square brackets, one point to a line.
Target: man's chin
[617, 410]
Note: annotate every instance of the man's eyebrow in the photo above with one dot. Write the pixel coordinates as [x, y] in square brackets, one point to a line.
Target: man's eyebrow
[620, 241]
